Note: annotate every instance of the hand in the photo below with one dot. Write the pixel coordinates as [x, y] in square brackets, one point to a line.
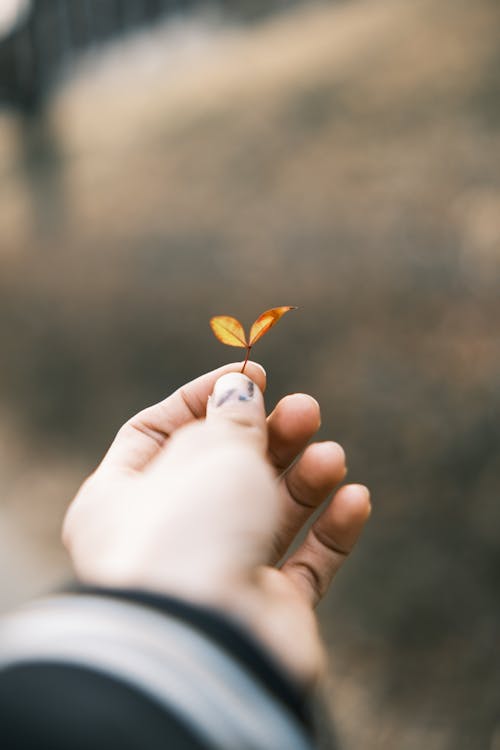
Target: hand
[203, 500]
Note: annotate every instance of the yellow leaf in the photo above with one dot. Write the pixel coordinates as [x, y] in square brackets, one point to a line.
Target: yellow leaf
[264, 322]
[228, 330]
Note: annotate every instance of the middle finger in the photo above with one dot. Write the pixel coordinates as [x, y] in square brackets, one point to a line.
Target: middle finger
[291, 425]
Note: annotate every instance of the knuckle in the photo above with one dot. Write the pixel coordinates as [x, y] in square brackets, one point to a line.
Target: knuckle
[311, 576]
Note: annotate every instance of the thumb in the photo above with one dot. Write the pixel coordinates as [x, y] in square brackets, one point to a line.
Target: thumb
[237, 404]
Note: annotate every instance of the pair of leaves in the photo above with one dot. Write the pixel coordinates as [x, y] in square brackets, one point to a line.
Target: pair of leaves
[230, 331]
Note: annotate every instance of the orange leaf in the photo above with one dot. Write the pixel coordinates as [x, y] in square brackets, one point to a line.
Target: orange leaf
[264, 322]
[228, 330]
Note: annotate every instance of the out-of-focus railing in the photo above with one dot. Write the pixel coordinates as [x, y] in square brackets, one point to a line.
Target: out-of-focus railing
[39, 38]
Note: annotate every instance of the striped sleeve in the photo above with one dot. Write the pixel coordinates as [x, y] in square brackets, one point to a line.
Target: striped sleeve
[130, 670]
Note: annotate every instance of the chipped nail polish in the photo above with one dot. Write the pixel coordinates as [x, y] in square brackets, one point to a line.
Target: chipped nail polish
[250, 391]
[225, 397]
[238, 388]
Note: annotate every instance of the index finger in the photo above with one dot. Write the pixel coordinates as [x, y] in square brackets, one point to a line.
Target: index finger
[145, 434]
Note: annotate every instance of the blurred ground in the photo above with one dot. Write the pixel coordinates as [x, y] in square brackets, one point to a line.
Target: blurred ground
[345, 159]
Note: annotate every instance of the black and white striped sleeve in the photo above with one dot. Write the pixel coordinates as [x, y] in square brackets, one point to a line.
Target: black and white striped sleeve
[99, 669]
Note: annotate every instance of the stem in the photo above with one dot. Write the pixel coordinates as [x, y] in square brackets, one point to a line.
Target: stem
[246, 359]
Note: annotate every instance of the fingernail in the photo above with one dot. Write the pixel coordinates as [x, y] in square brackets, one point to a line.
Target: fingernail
[232, 387]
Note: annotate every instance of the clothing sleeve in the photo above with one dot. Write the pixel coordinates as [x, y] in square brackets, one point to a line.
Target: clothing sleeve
[104, 668]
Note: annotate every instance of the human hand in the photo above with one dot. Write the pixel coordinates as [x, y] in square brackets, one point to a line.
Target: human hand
[202, 501]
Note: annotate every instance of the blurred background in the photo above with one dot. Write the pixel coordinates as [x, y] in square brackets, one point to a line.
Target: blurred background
[162, 162]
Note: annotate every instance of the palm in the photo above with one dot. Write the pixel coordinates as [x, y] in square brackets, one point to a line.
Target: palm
[209, 536]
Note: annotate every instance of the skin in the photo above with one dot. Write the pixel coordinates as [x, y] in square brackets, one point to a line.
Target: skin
[201, 495]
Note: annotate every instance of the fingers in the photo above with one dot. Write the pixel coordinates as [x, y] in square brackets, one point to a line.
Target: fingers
[143, 436]
[291, 425]
[216, 472]
[237, 405]
[329, 542]
[304, 487]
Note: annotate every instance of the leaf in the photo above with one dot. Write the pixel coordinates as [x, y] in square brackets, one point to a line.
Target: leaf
[264, 322]
[228, 330]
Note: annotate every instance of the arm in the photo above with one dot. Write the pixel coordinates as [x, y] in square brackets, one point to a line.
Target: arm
[192, 509]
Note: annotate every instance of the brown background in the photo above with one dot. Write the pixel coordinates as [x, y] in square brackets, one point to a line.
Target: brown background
[343, 158]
